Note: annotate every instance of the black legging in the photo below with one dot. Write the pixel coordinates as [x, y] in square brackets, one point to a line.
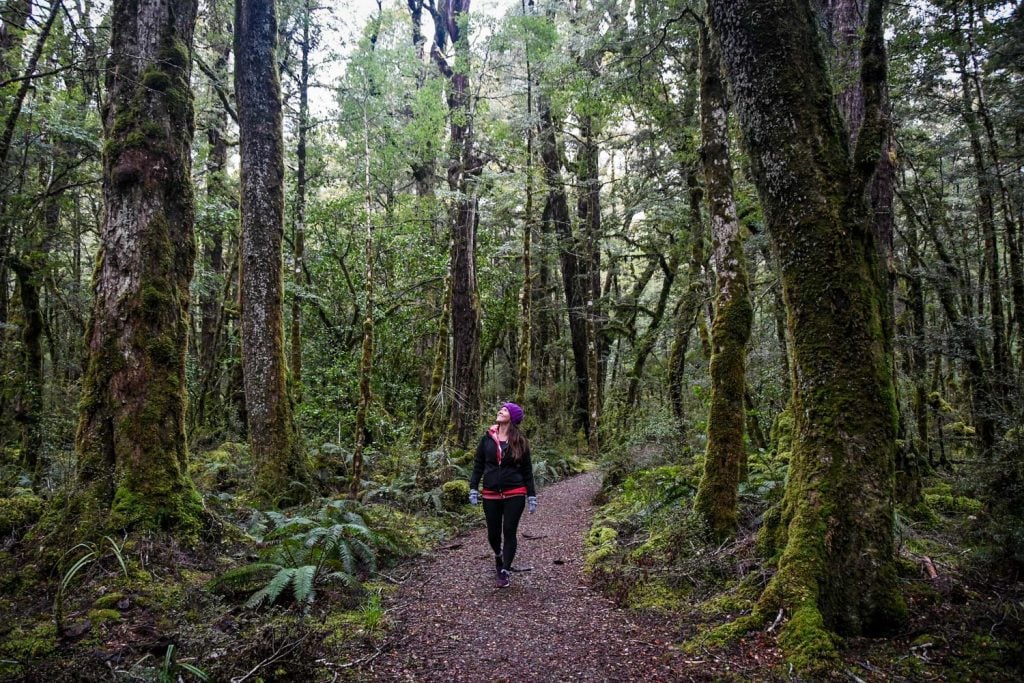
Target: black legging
[503, 517]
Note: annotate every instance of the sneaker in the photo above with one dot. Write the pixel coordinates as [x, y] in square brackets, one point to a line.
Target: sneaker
[504, 579]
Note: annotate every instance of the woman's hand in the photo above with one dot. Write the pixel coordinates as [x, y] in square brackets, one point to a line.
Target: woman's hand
[531, 504]
[474, 496]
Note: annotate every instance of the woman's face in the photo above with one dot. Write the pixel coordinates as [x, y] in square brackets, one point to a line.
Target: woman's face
[503, 416]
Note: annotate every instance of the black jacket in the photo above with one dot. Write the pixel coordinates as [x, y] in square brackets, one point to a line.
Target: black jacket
[508, 475]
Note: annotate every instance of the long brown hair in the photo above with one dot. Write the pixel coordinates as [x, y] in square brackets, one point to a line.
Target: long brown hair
[517, 443]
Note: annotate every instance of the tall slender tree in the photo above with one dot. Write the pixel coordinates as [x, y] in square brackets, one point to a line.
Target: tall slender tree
[281, 473]
[450, 53]
[730, 330]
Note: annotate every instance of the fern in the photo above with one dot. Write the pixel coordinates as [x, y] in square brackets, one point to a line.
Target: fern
[243, 578]
[332, 545]
[272, 591]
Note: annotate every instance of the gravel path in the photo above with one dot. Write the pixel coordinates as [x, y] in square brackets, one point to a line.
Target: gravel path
[455, 625]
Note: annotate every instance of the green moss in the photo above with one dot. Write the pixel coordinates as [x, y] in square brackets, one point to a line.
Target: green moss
[939, 488]
[807, 644]
[108, 601]
[157, 298]
[601, 542]
[222, 469]
[98, 617]
[922, 514]
[36, 643]
[957, 505]
[959, 429]
[657, 595]
[782, 432]
[986, 657]
[739, 599]
[723, 635]
[19, 512]
[454, 494]
[158, 509]
[940, 404]
[156, 78]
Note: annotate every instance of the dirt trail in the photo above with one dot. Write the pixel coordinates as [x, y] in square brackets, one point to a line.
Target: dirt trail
[455, 625]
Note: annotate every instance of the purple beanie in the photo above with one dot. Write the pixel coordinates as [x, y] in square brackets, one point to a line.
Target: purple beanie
[515, 413]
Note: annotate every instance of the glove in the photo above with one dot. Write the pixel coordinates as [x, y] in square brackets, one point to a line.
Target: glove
[531, 504]
[474, 496]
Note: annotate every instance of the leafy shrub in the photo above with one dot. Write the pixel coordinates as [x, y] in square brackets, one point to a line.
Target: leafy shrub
[300, 554]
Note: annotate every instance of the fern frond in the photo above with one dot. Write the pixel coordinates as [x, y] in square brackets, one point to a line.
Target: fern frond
[343, 578]
[272, 591]
[343, 553]
[365, 553]
[302, 583]
[243, 578]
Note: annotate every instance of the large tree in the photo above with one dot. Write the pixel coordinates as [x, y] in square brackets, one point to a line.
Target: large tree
[281, 473]
[837, 561]
[131, 439]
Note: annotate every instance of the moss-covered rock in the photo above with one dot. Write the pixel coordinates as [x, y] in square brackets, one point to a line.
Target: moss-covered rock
[224, 469]
[19, 512]
[953, 505]
[454, 494]
[98, 617]
[601, 543]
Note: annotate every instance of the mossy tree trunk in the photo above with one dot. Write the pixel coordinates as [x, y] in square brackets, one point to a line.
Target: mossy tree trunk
[278, 457]
[837, 565]
[644, 346]
[366, 355]
[845, 22]
[28, 404]
[716, 499]
[131, 441]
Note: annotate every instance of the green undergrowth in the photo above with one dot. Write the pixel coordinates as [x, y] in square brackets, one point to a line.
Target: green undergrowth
[285, 593]
[645, 545]
[647, 550]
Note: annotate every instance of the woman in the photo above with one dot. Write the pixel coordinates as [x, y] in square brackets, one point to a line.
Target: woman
[503, 460]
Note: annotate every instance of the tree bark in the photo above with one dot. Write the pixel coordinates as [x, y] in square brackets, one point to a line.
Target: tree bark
[717, 494]
[689, 304]
[299, 225]
[450, 22]
[211, 300]
[837, 567]
[568, 253]
[526, 295]
[281, 473]
[131, 441]
[28, 405]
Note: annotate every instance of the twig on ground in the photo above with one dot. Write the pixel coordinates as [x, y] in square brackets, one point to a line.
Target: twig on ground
[369, 658]
[778, 618]
[278, 654]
